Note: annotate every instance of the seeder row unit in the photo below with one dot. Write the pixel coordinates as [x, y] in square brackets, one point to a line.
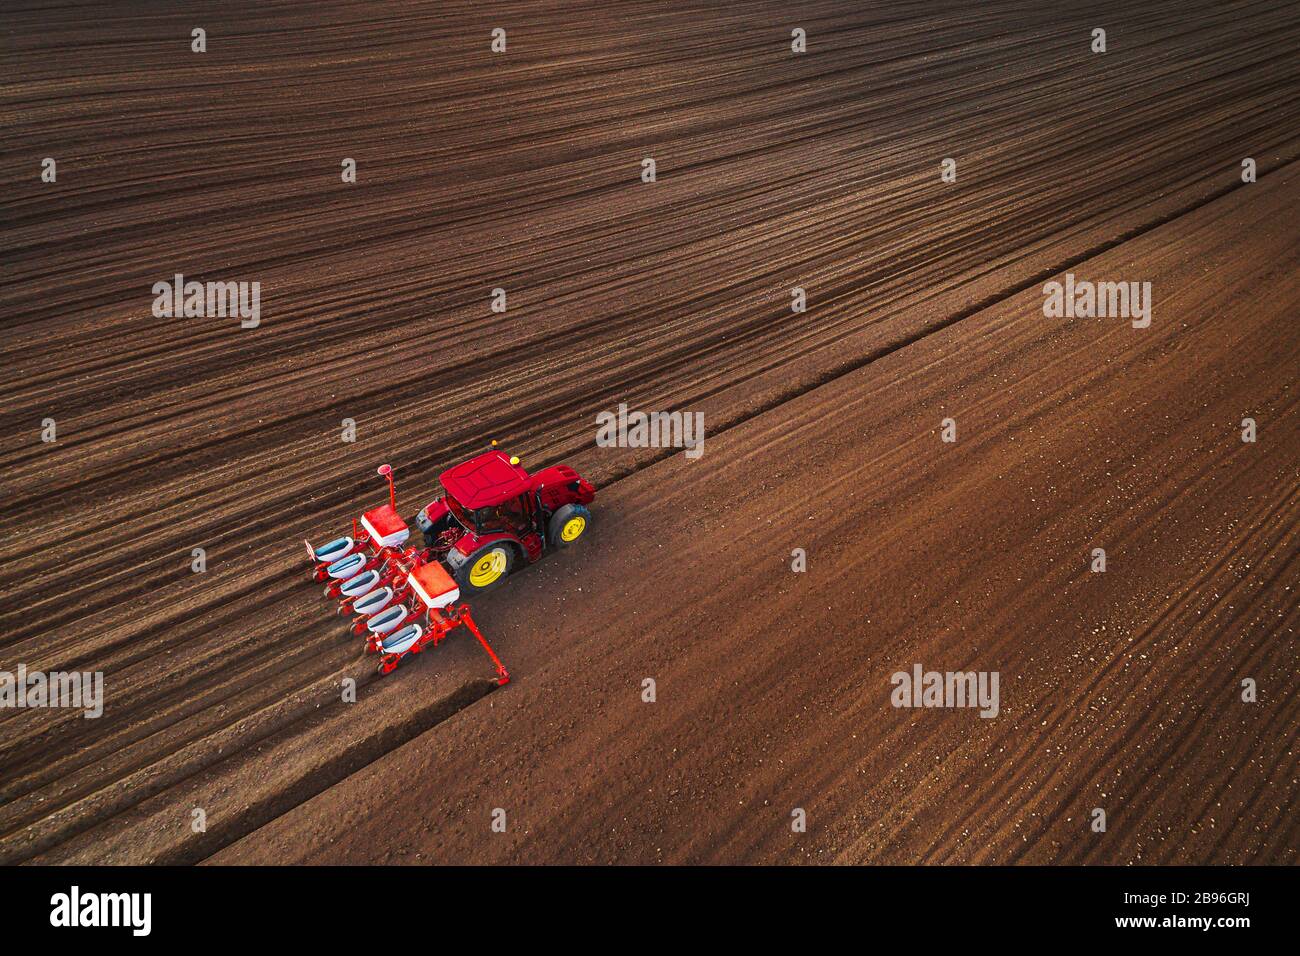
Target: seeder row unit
[401, 600]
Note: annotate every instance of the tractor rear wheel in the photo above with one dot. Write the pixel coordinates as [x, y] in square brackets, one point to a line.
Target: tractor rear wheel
[567, 525]
[485, 568]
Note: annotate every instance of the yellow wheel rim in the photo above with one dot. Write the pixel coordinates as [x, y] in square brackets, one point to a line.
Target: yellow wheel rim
[572, 528]
[488, 568]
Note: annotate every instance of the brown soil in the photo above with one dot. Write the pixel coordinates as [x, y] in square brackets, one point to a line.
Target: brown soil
[1119, 690]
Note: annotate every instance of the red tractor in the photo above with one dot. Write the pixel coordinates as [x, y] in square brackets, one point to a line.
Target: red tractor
[491, 518]
[494, 517]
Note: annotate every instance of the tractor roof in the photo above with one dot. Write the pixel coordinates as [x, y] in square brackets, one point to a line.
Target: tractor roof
[485, 481]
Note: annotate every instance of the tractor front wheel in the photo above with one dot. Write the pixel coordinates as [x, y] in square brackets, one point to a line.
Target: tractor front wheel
[486, 568]
[567, 525]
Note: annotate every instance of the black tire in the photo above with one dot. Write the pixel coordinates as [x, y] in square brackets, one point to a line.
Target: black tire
[465, 572]
[561, 519]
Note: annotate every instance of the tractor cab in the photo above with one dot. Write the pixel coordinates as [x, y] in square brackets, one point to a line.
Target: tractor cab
[489, 494]
[486, 482]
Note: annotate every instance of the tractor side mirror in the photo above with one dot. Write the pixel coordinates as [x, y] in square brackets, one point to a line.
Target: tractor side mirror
[384, 470]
